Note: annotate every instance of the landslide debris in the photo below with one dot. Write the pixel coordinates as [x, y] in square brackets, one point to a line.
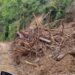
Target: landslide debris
[40, 51]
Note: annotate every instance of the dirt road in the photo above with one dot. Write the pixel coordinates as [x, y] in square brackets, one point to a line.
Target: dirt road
[5, 59]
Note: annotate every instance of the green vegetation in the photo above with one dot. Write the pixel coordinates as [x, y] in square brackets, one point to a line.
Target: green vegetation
[16, 14]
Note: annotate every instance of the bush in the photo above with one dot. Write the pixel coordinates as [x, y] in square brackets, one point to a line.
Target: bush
[12, 11]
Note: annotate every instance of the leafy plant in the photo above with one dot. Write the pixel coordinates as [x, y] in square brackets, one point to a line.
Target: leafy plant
[12, 11]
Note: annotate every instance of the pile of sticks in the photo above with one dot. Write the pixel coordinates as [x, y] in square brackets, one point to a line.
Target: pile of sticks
[36, 41]
[31, 42]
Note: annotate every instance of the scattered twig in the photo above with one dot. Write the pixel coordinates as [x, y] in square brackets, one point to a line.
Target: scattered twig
[45, 40]
[62, 23]
[29, 63]
[36, 20]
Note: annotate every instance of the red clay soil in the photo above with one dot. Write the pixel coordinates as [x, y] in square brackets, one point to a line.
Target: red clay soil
[40, 51]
